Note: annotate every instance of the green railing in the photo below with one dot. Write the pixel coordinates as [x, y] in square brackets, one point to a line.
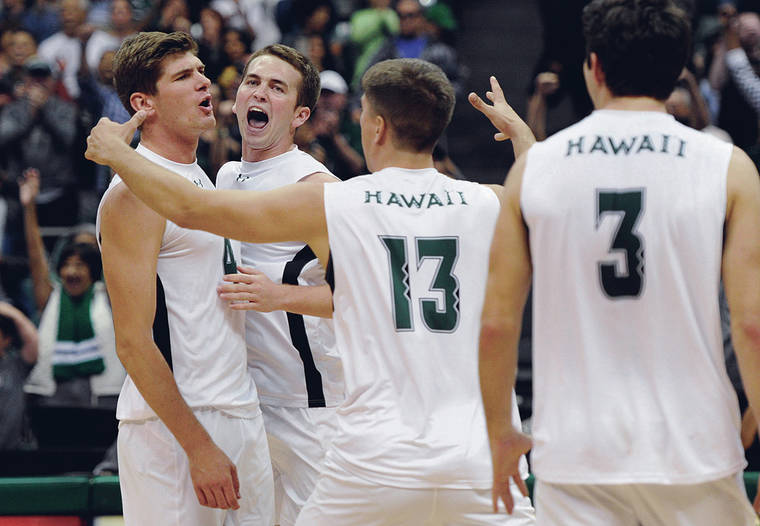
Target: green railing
[96, 496]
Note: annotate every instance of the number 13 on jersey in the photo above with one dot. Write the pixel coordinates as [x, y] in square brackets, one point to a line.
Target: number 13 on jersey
[437, 316]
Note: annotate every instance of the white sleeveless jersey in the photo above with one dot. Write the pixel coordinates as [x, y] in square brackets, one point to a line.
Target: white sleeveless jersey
[625, 212]
[409, 256]
[200, 337]
[291, 357]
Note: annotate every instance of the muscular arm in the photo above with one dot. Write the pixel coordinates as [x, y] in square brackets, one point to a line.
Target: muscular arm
[130, 250]
[291, 213]
[507, 290]
[741, 273]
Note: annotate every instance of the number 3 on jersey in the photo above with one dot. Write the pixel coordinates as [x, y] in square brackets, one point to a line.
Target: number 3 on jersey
[446, 251]
[628, 205]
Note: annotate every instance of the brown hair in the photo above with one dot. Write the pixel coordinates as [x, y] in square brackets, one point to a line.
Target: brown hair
[138, 63]
[414, 97]
[308, 90]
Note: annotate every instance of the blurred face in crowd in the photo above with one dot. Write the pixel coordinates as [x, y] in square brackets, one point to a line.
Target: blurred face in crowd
[75, 276]
[410, 17]
[72, 16]
[212, 23]
[380, 4]
[266, 107]
[22, 46]
[121, 14]
[105, 68]
[234, 46]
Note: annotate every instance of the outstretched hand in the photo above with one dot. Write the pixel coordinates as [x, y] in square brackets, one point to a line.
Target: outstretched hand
[505, 454]
[107, 135]
[500, 113]
[29, 186]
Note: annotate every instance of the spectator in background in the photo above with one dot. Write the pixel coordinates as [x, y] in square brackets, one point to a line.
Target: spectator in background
[18, 354]
[99, 99]
[340, 158]
[237, 48]
[413, 42]
[38, 130]
[22, 47]
[737, 115]
[120, 27]
[208, 34]
[77, 362]
[369, 29]
[63, 50]
[42, 19]
[255, 17]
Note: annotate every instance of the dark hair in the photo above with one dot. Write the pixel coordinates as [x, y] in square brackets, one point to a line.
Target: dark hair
[414, 97]
[308, 90]
[138, 63]
[8, 329]
[642, 45]
[87, 252]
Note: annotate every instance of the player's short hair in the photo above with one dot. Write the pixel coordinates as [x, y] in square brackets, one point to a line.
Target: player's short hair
[138, 63]
[308, 90]
[88, 253]
[414, 97]
[642, 45]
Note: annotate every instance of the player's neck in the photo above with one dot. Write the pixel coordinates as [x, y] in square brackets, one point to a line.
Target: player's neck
[253, 155]
[177, 148]
[632, 104]
[402, 159]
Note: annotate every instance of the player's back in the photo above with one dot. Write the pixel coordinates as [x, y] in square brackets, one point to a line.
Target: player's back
[625, 214]
[409, 256]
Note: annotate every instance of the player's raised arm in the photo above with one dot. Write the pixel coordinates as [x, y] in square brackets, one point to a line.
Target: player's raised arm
[741, 273]
[292, 213]
[504, 118]
[507, 290]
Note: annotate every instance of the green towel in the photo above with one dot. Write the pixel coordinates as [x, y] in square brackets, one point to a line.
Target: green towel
[76, 352]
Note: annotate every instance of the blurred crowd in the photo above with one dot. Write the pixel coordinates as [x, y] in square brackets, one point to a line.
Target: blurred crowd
[56, 81]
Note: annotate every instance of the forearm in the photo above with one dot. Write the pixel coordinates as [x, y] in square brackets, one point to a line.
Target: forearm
[307, 300]
[27, 332]
[746, 339]
[744, 76]
[497, 361]
[38, 264]
[155, 381]
[537, 116]
[354, 160]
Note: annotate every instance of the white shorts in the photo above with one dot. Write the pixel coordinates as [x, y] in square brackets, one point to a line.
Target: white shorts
[298, 440]
[343, 499]
[154, 473]
[713, 503]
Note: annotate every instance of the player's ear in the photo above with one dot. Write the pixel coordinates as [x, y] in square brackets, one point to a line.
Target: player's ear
[380, 129]
[301, 115]
[596, 68]
[141, 101]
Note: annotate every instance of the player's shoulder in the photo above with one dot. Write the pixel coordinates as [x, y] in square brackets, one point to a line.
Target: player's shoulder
[228, 171]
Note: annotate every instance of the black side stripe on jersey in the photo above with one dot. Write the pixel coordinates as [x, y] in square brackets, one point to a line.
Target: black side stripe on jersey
[330, 273]
[298, 331]
[161, 325]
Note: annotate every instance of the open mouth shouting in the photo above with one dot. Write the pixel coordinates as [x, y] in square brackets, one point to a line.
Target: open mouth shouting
[206, 104]
[257, 118]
